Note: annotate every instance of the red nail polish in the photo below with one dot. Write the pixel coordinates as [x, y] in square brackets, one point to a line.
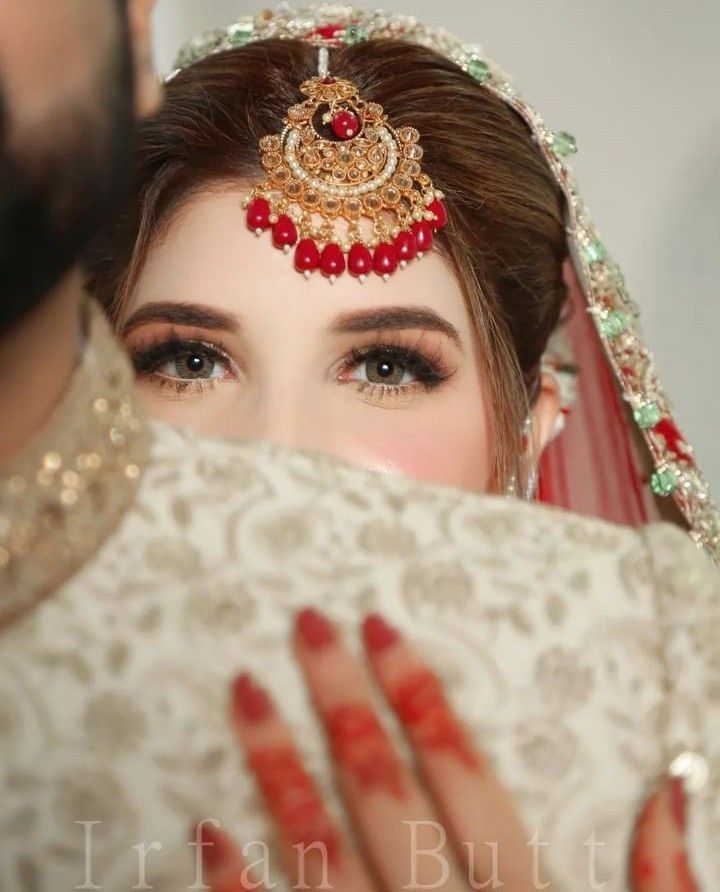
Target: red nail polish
[251, 702]
[316, 630]
[378, 634]
[678, 802]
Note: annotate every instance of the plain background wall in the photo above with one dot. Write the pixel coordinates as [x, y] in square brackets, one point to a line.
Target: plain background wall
[636, 82]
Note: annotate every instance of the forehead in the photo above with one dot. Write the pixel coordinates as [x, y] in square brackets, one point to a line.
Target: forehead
[208, 255]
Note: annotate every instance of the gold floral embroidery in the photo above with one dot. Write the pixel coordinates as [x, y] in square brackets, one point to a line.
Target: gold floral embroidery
[72, 486]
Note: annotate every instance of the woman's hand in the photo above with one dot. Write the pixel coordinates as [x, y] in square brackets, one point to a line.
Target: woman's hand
[457, 829]
[659, 861]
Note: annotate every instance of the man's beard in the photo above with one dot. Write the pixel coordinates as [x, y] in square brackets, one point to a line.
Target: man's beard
[67, 181]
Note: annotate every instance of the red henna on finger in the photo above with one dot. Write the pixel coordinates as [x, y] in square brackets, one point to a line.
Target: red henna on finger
[361, 746]
[378, 635]
[420, 703]
[293, 799]
[251, 703]
[642, 872]
[683, 874]
[678, 807]
[642, 868]
[316, 630]
[216, 849]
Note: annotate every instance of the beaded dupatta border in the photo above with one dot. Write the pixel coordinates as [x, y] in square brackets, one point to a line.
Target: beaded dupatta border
[615, 314]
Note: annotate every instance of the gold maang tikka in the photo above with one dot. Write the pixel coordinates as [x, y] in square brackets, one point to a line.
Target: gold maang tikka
[338, 159]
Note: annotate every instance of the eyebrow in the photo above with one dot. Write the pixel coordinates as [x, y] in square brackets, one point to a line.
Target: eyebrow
[182, 314]
[395, 318]
[353, 322]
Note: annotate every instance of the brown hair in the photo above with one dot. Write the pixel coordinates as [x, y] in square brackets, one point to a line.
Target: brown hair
[505, 240]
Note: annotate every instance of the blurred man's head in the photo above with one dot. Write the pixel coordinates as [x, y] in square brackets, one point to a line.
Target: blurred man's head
[73, 76]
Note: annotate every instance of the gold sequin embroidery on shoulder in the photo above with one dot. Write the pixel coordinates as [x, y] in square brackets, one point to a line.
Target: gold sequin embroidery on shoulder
[71, 488]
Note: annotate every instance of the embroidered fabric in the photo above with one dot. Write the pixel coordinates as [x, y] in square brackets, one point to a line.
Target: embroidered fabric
[72, 486]
[583, 655]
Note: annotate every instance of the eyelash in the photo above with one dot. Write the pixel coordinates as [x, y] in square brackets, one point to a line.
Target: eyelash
[148, 359]
[429, 367]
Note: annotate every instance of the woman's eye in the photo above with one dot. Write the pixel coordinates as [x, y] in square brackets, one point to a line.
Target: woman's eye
[384, 370]
[181, 362]
[394, 370]
[192, 365]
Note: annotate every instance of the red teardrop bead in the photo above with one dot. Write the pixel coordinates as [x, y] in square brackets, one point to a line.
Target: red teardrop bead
[284, 232]
[385, 260]
[406, 245]
[345, 124]
[423, 235]
[438, 208]
[332, 261]
[307, 256]
[360, 262]
[258, 214]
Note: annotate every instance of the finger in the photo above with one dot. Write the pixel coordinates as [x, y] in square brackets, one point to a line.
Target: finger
[314, 848]
[479, 812]
[403, 838]
[223, 868]
[659, 862]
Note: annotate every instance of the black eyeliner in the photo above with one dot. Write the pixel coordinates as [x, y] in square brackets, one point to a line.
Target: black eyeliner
[429, 369]
[148, 359]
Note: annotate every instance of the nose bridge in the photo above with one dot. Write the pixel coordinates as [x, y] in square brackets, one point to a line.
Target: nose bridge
[289, 414]
[289, 397]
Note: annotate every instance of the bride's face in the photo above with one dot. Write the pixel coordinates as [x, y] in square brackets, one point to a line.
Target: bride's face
[229, 340]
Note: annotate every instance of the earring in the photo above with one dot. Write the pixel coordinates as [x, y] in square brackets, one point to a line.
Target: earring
[532, 480]
[531, 485]
[511, 490]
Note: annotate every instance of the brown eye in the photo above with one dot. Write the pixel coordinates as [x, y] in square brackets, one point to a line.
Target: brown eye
[396, 369]
[179, 360]
[194, 364]
[385, 371]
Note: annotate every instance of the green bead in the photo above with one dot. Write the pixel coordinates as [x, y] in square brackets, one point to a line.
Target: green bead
[647, 416]
[478, 70]
[241, 34]
[355, 34]
[564, 144]
[664, 483]
[595, 251]
[613, 324]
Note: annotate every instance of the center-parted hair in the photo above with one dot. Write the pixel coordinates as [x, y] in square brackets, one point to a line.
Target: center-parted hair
[505, 240]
